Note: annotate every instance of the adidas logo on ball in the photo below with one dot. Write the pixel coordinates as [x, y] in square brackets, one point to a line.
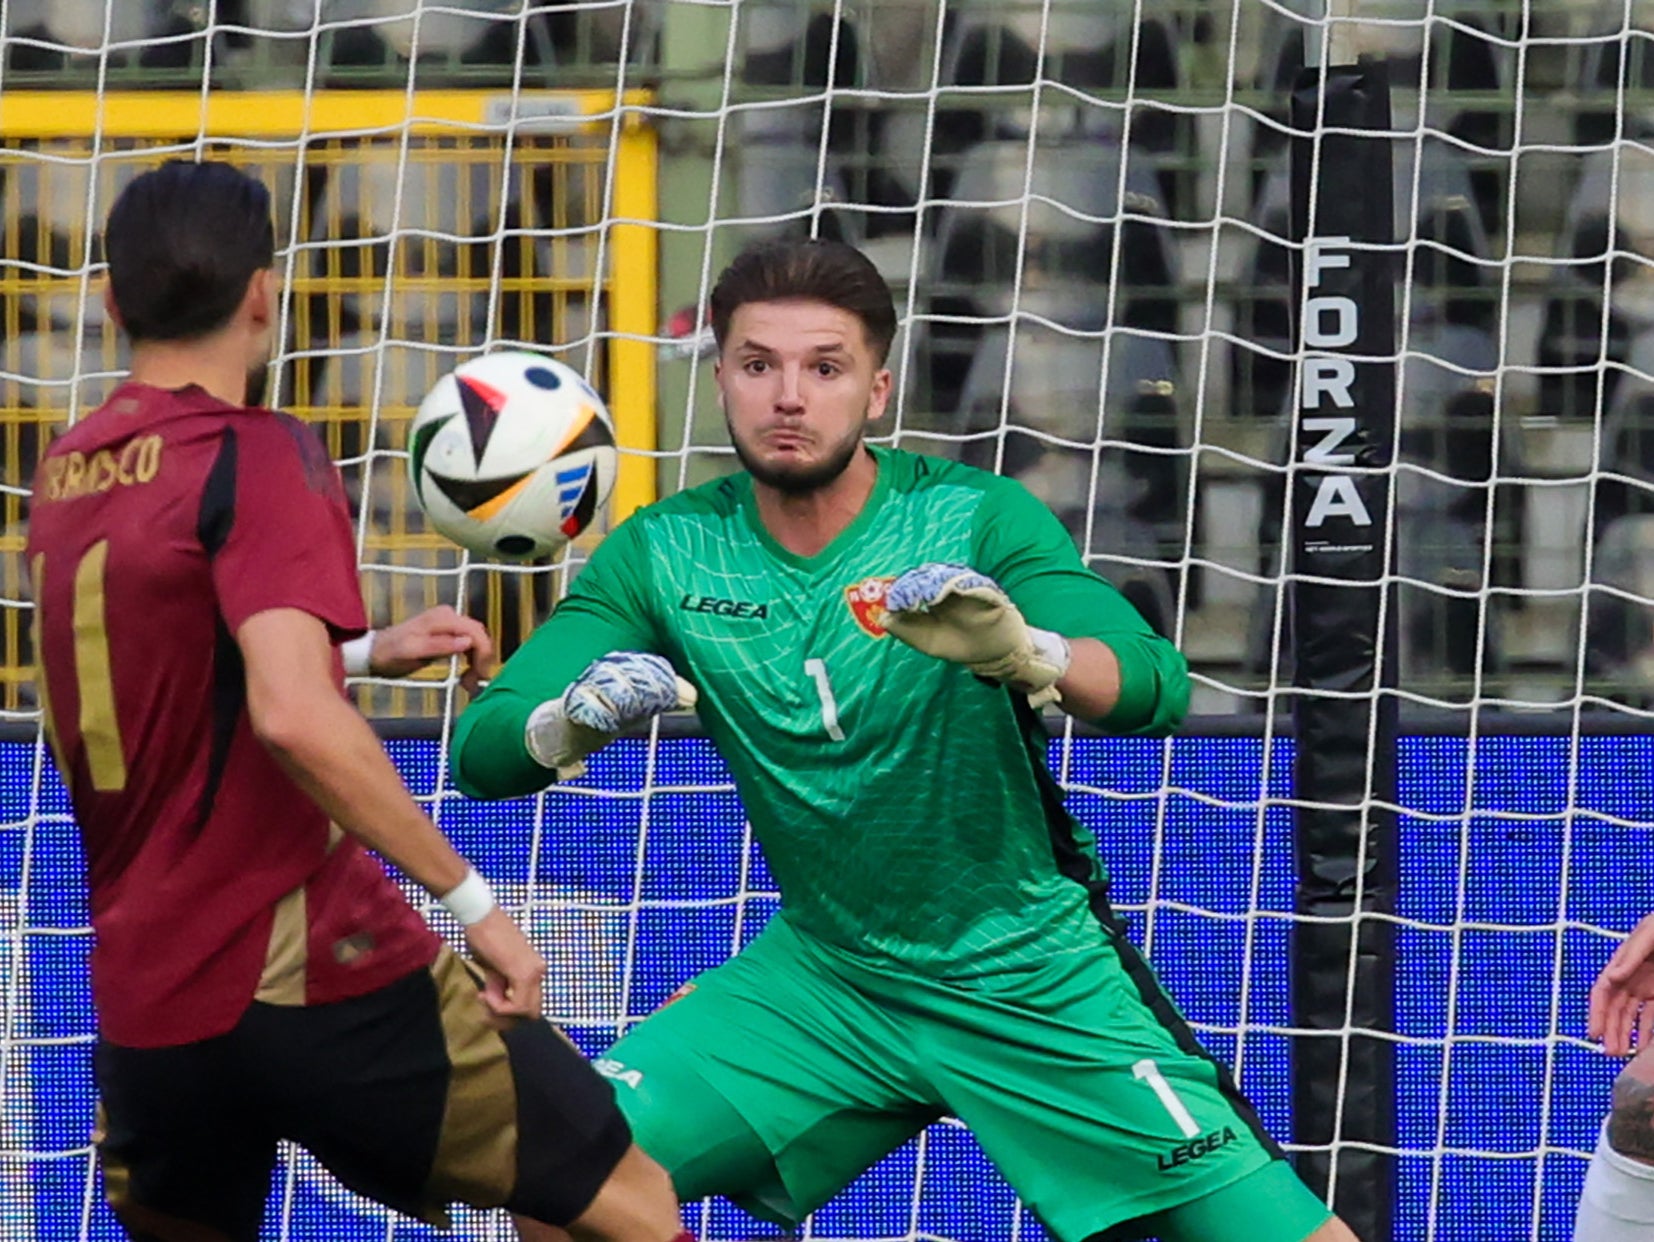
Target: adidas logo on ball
[512, 455]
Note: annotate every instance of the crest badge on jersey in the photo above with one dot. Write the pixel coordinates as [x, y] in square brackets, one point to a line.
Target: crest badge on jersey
[866, 602]
[684, 990]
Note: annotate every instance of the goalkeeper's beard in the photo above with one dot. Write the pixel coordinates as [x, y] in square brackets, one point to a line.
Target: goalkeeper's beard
[803, 479]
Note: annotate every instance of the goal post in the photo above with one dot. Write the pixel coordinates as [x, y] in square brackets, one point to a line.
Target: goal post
[1342, 650]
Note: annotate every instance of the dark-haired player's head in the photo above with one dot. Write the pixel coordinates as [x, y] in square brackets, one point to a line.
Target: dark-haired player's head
[809, 271]
[803, 330]
[191, 250]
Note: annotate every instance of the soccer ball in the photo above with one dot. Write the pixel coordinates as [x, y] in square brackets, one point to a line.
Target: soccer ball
[512, 455]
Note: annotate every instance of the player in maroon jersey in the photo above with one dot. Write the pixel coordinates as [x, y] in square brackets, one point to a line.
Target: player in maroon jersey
[256, 973]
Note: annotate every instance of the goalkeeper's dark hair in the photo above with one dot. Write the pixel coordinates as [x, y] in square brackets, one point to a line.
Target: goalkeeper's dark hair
[183, 242]
[808, 270]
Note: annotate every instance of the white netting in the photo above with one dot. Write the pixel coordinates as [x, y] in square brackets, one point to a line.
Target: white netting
[1079, 205]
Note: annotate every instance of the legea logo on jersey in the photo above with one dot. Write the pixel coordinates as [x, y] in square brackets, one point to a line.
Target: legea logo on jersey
[740, 609]
[866, 601]
[617, 1071]
[1195, 1148]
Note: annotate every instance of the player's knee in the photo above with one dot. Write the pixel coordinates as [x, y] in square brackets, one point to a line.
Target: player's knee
[636, 1204]
[1631, 1121]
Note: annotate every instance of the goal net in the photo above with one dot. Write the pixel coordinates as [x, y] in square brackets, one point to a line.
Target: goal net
[1082, 207]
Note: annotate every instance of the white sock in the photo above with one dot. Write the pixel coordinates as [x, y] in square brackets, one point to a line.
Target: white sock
[1617, 1204]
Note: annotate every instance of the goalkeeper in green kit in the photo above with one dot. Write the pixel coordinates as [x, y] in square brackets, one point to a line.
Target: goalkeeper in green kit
[866, 635]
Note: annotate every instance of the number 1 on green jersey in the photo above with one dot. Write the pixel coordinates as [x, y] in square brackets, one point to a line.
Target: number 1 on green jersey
[817, 669]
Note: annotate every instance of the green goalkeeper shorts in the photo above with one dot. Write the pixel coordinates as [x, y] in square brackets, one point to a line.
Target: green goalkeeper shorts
[780, 1076]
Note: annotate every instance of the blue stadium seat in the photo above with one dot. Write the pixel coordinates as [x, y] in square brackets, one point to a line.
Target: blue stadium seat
[1615, 252]
[879, 160]
[1435, 187]
[1443, 517]
[71, 34]
[784, 179]
[1627, 438]
[85, 25]
[1087, 47]
[481, 31]
[1444, 520]
[1619, 55]
[1052, 219]
[1091, 424]
[1619, 620]
[468, 41]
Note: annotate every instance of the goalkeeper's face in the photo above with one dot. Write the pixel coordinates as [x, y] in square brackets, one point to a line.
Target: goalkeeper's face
[798, 383]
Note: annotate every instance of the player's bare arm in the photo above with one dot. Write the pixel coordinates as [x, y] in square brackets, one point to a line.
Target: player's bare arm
[1619, 998]
[1613, 1201]
[335, 757]
[438, 633]
[1091, 686]
[1335, 1230]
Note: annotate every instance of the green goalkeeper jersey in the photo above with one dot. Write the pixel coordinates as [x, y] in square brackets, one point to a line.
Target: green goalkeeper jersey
[903, 804]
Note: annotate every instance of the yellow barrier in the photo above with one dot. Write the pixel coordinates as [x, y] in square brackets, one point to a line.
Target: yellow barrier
[415, 228]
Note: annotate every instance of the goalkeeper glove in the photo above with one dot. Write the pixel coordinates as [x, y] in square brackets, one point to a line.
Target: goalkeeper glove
[954, 613]
[615, 692]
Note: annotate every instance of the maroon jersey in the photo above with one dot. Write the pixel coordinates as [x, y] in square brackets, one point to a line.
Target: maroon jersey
[159, 525]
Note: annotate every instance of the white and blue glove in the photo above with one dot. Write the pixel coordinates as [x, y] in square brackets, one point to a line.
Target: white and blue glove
[954, 613]
[615, 692]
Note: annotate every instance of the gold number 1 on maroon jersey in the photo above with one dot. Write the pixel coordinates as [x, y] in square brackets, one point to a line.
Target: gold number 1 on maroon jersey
[100, 730]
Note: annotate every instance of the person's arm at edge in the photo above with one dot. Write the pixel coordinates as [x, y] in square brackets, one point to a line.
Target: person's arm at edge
[334, 756]
[1123, 676]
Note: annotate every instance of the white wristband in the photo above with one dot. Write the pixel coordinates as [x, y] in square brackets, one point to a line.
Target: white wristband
[549, 739]
[1053, 649]
[358, 655]
[471, 900]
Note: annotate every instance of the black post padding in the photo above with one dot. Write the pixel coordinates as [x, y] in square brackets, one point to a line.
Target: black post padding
[1343, 1086]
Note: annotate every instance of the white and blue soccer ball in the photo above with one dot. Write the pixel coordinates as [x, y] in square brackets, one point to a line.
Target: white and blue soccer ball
[512, 455]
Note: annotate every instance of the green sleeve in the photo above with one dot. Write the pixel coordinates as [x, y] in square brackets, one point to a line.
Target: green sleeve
[1019, 543]
[606, 609]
